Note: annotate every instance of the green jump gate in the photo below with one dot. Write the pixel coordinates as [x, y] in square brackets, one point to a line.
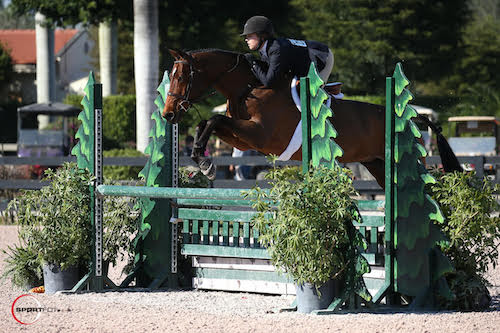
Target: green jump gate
[213, 226]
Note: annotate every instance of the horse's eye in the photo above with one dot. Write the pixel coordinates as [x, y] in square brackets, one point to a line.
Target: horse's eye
[180, 79]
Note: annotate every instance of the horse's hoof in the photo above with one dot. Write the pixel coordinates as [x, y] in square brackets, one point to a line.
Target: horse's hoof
[208, 169]
[210, 172]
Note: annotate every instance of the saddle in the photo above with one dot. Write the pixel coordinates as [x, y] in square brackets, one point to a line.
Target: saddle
[334, 89]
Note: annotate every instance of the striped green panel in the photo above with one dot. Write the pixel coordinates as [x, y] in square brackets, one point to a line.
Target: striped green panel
[206, 231]
[224, 251]
[215, 233]
[378, 205]
[212, 202]
[238, 274]
[215, 215]
[370, 221]
[373, 247]
[196, 232]
[236, 234]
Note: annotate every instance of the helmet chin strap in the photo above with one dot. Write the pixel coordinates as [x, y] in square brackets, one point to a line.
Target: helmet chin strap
[261, 42]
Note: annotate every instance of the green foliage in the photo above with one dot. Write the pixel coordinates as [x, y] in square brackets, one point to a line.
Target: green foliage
[56, 218]
[63, 13]
[22, 265]
[380, 100]
[73, 99]
[470, 292]
[118, 119]
[5, 66]
[122, 172]
[368, 37]
[307, 232]
[481, 100]
[481, 38]
[192, 177]
[8, 126]
[121, 222]
[473, 231]
[55, 226]
[468, 204]
[125, 70]
[11, 20]
[216, 23]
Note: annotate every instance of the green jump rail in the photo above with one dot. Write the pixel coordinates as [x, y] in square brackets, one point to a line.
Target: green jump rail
[170, 192]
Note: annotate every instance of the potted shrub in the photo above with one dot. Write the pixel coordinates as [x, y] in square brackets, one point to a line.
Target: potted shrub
[305, 221]
[55, 220]
[55, 231]
[473, 230]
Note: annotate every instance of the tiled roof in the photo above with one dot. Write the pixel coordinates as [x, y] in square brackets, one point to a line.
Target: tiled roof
[22, 43]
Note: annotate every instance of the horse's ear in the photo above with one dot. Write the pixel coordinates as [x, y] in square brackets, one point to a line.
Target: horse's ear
[185, 55]
[175, 53]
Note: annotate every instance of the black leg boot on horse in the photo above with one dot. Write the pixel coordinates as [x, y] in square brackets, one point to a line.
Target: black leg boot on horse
[198, 154]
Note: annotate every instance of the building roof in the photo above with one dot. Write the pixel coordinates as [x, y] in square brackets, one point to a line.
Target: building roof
[53, 109]
[474, 118]
[22, 43]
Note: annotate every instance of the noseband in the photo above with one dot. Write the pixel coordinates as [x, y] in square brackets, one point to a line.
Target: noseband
[185, 103]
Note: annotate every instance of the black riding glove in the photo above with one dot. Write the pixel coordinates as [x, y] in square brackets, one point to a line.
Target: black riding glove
[250, 58]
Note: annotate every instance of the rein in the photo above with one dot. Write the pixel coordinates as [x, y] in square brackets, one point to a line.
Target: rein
[185, 103]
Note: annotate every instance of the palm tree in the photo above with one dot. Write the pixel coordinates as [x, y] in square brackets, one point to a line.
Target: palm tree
[145, 66]
[108, 46]
[45, 65]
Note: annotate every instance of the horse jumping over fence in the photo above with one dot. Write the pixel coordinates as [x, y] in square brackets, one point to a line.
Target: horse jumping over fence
[265, 119]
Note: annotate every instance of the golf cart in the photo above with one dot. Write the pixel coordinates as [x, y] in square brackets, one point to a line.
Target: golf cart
[49, 142]
[475, 136]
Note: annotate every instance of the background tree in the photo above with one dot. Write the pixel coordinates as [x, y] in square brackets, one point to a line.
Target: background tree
[481, 46]
[369, 37]
[5, 68]
[145, 66]
[9, 20]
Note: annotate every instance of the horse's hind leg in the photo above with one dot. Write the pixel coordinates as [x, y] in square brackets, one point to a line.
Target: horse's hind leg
[198, 153]
[377, 169]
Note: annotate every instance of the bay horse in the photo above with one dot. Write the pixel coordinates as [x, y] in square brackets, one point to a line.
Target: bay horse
[265, 119]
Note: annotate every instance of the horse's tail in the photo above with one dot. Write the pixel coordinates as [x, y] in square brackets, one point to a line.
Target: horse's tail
[448, 157]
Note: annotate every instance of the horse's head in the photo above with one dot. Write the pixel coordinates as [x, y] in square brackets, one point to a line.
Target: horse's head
[195, 72]
[186, 85]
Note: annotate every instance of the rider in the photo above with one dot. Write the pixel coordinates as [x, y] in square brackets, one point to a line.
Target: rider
[283, 55]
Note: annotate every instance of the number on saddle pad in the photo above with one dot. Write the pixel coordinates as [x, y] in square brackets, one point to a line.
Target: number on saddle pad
[296, 42]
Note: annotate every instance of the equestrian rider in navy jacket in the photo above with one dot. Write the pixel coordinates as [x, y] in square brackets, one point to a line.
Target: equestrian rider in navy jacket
[283, 55]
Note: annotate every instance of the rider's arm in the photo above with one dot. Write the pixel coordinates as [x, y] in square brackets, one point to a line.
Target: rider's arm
[271, 75]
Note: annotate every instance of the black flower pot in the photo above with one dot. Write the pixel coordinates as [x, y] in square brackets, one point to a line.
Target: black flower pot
[309, 300]
[56, 279]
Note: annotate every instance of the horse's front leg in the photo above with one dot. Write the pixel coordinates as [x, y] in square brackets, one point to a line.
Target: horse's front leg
[198, 154]
[250, 135]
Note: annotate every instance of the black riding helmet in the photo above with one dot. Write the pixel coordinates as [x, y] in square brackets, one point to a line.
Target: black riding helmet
[258, 24]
